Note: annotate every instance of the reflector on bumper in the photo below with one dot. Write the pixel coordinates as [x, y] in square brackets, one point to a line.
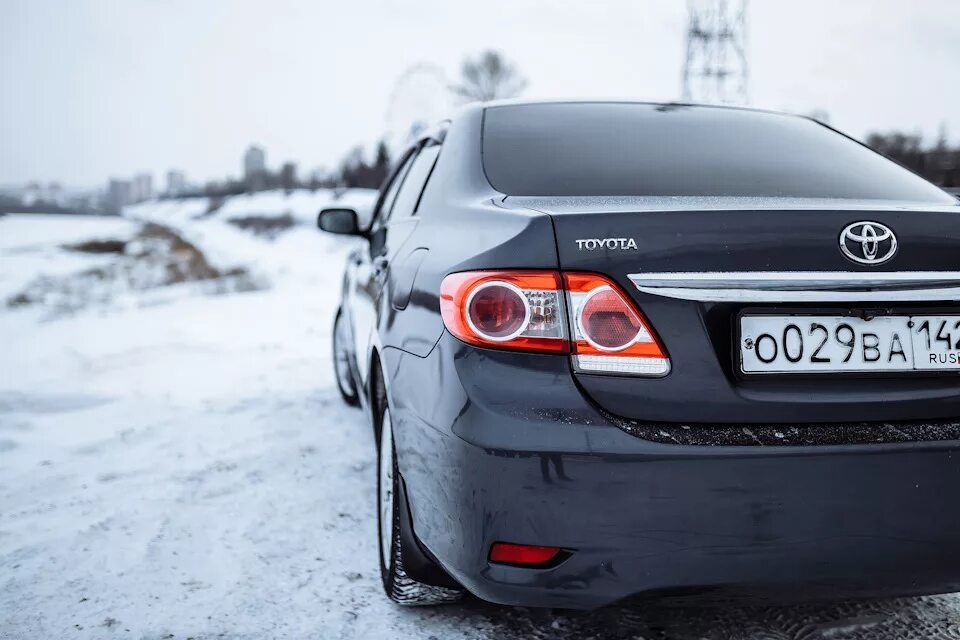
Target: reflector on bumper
[522, 554]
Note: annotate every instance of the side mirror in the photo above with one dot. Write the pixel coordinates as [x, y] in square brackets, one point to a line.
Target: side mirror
[341, 220]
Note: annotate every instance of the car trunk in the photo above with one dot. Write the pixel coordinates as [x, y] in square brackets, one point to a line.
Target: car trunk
[745, 245]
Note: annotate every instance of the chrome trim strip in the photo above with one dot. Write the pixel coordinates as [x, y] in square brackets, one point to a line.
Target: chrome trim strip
[802, 286]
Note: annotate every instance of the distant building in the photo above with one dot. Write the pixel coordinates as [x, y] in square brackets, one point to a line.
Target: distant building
[85, 201]
[118, 195]
[288, 175]
[54, 194]
[254, 161]
[141, 188]
[176, 183]
[36, 193]
[255, 167]
[31, 194]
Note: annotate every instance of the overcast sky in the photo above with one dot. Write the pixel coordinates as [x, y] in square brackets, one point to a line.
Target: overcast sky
[93, 89]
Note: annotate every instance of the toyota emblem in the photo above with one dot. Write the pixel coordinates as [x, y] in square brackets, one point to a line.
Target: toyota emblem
[868, 242]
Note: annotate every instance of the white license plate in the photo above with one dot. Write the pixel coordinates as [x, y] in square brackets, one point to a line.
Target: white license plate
[824, 344]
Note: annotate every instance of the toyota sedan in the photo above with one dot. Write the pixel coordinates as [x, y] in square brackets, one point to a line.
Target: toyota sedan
[613, 348]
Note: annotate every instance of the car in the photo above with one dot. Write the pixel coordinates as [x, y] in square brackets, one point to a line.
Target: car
[618, 349]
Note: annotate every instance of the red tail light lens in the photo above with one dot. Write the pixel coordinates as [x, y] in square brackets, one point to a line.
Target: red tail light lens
[498, 311]
[524, 310]
[520, 310]
[607, 321]
[609, 334]
[522, 554]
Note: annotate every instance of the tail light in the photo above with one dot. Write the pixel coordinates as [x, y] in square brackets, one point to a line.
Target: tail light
[524, 310]
[520, 310]
[609, 333]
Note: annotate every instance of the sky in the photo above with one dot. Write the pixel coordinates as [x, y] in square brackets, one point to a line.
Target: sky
[101, 88]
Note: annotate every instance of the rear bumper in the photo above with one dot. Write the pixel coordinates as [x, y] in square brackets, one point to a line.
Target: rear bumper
[534, 463]
[847, 523]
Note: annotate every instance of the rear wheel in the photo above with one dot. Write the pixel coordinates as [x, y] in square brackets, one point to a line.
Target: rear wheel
[341, 361]
[397, 584]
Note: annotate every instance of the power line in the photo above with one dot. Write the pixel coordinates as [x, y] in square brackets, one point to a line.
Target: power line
[715, 68]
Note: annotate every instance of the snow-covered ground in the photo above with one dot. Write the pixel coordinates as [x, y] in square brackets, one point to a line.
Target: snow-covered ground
[301, 204]
[175, 461]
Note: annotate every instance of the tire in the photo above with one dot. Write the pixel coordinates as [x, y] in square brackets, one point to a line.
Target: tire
[341, 362]
[397, 584]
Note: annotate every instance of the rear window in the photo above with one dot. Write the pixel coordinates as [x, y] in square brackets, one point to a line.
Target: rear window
[611, 149]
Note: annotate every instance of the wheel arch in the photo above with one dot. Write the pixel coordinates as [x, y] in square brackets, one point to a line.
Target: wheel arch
[418, 562]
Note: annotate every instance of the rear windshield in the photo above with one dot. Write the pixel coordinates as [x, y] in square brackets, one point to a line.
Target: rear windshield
[611, 149]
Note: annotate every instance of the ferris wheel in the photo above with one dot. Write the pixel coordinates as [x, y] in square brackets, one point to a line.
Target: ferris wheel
[420, 98]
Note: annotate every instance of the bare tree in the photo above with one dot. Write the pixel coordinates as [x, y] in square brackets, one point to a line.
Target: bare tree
[488, 77]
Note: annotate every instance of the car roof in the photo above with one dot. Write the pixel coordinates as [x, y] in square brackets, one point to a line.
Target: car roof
[650, 103]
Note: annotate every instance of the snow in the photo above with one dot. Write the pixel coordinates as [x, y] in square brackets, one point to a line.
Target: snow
[178, 463]
[33, 244]
[301, 204]
[21, 232]
[175, 212]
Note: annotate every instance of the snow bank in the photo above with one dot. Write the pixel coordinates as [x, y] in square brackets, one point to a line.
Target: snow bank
[300, 204]
[169, 212]
[277, 258]
[32, 244]
[26, 231]
[104, 263]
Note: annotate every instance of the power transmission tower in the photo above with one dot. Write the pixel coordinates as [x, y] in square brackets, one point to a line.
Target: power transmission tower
[715, 68]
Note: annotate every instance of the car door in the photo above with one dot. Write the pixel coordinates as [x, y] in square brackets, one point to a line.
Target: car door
[364, 290]
[392, 225]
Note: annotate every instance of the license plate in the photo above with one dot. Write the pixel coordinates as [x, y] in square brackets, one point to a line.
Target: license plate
[831, 344]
